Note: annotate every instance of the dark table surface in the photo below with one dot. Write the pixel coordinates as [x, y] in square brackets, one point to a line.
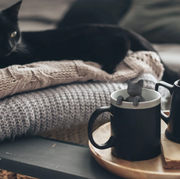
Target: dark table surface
[45, 158]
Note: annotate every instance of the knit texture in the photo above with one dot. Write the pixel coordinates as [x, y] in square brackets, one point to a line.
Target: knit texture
[68, 104]
[59, 107]
[22, 78]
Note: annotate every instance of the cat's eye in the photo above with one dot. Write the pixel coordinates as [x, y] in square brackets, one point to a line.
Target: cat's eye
[13, 34]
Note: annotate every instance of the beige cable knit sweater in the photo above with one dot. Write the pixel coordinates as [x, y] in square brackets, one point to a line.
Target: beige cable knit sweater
[22, 78]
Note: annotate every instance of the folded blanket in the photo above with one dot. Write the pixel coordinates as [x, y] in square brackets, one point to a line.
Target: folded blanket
[22, 78]
[59, 107]
[65, 105]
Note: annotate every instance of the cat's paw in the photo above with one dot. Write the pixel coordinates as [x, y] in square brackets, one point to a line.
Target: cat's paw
[119, 100]
[136, 101]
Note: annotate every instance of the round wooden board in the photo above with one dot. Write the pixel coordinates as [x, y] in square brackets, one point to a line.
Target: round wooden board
[146, 169]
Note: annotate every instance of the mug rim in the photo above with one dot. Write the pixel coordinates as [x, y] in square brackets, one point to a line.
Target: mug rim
[141, 105]
[176, 83]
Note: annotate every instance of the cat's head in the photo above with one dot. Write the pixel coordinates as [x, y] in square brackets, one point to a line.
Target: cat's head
[9, 30]
[135, 89]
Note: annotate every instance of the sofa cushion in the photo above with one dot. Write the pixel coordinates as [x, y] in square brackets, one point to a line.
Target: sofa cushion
[156, 20]
[97, 11]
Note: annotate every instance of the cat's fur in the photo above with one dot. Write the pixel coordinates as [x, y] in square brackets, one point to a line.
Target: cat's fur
[104, 44]
[135, 93]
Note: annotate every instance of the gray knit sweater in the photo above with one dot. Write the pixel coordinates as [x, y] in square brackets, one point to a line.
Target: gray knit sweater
[58, 107]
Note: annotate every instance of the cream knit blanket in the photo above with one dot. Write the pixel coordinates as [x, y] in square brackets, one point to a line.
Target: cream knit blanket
[21, 78]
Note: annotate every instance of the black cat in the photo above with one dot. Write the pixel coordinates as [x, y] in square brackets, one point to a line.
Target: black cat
[104, 44]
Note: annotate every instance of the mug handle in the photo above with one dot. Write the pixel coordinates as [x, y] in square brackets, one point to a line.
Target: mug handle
[92, 119]
[170, 88]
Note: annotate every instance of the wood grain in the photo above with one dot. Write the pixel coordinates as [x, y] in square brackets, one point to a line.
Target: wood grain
[152, 168]
[170, 151]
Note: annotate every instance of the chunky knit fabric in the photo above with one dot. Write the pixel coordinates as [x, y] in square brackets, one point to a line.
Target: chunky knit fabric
[68, 104]
[58, 107]
[22, 78]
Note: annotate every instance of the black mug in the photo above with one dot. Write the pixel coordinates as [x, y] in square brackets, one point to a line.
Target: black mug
[135, 130]
[173, 120]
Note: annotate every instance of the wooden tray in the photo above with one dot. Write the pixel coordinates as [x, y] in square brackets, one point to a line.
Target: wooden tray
[152, 168]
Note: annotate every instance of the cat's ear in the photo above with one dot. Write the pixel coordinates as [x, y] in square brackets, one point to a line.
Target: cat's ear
[141, 82]
[128, 82]
[12, 12]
